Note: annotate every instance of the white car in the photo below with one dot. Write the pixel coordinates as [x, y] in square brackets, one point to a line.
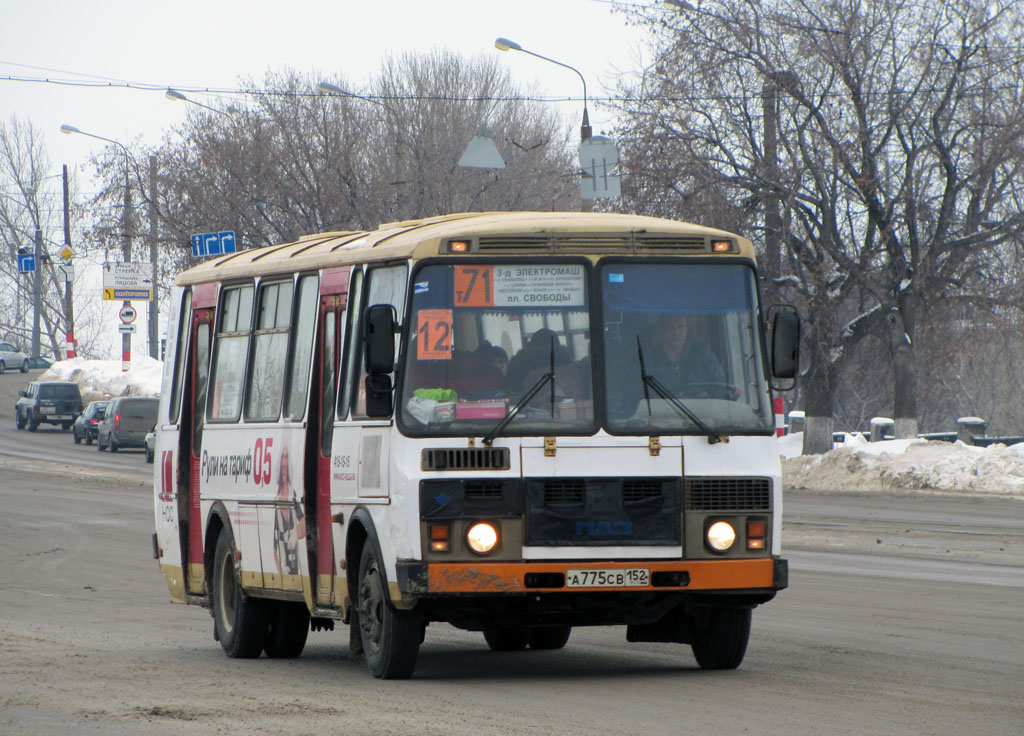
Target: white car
[11, 358]
[149, 444]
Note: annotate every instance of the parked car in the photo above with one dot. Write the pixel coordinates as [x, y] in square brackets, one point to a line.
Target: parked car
[86, 425]
[48, 402]
[39, 362]
[150, 444]
[11, 358]
[126, 422]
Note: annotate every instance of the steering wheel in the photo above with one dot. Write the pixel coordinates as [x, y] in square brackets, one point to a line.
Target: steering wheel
[709, 390]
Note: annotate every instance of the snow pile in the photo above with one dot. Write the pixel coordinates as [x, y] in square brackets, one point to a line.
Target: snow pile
[104, 379]
[900, 465]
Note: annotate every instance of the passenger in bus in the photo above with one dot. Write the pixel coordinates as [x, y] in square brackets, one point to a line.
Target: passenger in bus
[493, 357]
[289, 521]
[534, 360]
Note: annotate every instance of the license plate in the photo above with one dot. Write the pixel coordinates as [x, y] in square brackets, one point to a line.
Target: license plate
[631, 577]
[63, 416]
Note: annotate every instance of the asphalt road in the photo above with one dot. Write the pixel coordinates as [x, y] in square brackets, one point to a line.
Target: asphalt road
[904, 616]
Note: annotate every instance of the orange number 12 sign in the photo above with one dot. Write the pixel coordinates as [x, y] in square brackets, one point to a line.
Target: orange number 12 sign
[434, 341]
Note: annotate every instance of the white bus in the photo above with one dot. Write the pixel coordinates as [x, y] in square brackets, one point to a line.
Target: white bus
[516, 423]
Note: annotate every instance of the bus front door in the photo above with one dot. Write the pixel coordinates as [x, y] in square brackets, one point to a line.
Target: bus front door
[190, 449]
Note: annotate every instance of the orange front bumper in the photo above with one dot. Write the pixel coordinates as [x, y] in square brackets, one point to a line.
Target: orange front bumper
[532, 577]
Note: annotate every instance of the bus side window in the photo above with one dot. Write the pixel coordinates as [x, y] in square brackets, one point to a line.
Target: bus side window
[352, 324]
[269, 353]
[230, 351]
[385, 285]
[301, 349]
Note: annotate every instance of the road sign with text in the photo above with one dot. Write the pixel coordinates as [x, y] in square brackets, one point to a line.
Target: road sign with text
[127, 281]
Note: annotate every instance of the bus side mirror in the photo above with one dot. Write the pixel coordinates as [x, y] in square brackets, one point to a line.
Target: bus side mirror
[380, 339]
[378, 396]
[785, 342]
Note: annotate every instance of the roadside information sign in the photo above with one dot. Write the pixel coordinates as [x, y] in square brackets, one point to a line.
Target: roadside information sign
[127, 314]
[125, 280]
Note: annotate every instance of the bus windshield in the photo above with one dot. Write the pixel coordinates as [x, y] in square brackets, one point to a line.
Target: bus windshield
[481, 335]
[682, 334]
[680, 352]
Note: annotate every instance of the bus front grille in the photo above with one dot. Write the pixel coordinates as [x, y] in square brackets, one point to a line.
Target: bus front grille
[466, 458]
[727, 494]
[564, 492]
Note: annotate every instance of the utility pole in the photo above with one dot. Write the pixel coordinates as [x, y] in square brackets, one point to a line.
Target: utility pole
[37, 292]
[69, 288]
[154, 303]
[126, 226]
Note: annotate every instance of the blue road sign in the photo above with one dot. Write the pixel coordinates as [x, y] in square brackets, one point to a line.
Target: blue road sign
[227, 241]
[26, 262]
[213, 244]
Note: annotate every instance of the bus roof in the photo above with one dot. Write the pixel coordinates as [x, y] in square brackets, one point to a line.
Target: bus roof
[490, 233]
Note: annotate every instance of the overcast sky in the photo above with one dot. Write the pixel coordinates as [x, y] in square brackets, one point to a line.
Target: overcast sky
[198, 44]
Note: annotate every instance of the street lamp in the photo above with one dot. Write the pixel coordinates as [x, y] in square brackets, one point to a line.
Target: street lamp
[504, 44]
[175, 95]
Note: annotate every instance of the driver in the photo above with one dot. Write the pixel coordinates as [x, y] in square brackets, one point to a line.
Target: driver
[676, 362]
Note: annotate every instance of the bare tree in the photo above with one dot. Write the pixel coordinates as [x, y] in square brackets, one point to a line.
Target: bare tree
[880, 141]
[29, 203]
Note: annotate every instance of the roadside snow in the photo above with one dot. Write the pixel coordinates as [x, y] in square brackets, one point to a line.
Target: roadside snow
[902, 465]
[104, 379]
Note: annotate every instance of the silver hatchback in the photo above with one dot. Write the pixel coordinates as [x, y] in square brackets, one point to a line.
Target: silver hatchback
[11, 358]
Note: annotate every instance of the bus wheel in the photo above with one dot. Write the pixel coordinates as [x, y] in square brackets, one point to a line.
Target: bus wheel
[289, 626]
[508, 640]
[240, 620]
[720, 638]
[550, 637]
[391, 639]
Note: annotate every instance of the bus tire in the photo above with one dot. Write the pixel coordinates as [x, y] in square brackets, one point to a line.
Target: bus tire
[720, 638]
[508, 640]
[550, 637]
[391, 638]
[289, 627]
[241, 621]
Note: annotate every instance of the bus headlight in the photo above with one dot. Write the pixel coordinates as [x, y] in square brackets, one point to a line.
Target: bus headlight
[720, 536]
[482, 537]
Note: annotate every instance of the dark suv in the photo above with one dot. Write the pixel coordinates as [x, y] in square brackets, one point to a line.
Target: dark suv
[48, 402]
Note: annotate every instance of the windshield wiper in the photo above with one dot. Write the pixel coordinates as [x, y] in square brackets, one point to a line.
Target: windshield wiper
[548, 377]
[649, 380]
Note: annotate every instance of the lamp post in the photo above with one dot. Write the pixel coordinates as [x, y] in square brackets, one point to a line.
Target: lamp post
[175, 95]
[504, 44]
[126, 337]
